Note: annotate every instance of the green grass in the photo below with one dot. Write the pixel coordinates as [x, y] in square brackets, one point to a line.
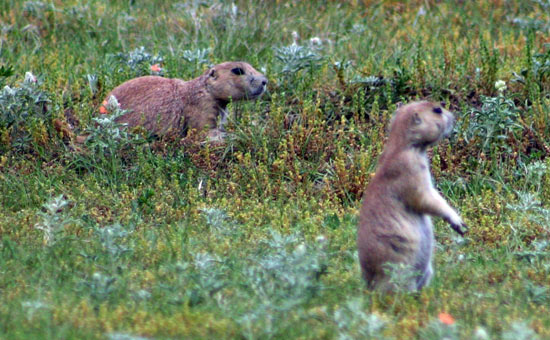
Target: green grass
[256, 238]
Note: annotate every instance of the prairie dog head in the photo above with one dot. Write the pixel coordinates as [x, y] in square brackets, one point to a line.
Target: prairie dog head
[421, 124]
[235, 81]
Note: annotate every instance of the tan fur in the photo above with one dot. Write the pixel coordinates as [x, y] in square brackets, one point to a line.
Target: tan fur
[394, 222]
[164, 106]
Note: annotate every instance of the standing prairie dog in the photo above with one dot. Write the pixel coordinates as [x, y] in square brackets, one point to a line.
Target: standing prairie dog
[394, 222]
[163, 105]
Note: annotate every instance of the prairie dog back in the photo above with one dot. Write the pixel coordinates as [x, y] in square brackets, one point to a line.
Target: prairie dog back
[394, 222]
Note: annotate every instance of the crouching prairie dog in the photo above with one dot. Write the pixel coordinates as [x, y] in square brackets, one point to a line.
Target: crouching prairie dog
[395, 229]
[164, 106]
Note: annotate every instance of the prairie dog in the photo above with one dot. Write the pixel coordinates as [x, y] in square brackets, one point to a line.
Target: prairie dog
[163, 105]
[394, 222]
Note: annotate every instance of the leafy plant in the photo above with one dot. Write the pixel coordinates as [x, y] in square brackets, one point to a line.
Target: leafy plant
[54, 219]
[284, 275]
[24, 115]
[138, 62]
[437, 330]
[294, 58]
[108, 142]
[219, 222]
[354, 323]
[493, 124]
[99, 286]
[519, 331]
[110, 238]
[198, 56]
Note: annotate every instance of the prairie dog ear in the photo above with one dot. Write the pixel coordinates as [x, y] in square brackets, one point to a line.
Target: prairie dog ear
[212, 73]
[415, 119]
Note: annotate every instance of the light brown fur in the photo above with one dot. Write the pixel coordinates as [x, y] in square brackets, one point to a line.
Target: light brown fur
[394, 221]
[164, 106]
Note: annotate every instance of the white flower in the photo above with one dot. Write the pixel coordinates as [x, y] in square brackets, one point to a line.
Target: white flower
[8, 90]
[500, 85]
[421, 11]
[300, 249]
[315, 41]
[295, 37]
[481, 334]
[321, 239]
[29, 78]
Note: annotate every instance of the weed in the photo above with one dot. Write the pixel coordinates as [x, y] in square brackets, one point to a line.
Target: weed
[281, 277]
[354, 323]
[110, 237]
[219, 222]
[108, 143]
[519, 331]
[137, 62]
[31, 307]
[403, 277]
[198, 56]
[294, 58]
[54, 219]
[124, 336]
[99, 286]
[493, 124]
[437, 330]
[24, 116]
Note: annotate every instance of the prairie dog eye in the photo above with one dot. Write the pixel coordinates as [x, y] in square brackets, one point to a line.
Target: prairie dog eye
[437, 110]
[238, 71]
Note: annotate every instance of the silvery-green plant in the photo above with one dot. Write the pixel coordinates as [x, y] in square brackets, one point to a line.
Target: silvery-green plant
[31, 307]
[282, 275]
[141, 295]
[37, 8]
[111, 239]
[23, 109]
[100, 286]
[354, 323]
[53, 219]
[372, 82]
[519, 331]
[197, 56]
[493, 123]
[108, 136]
[124, 336]
[529, 206]
[358, 28]
[109, 146]
[538, 250]
[402, 276]
[533, 174]
[219, 222]
[294, 58]
[137, 61]
[92, 83]
[288, 270]
[538, 294]
[437, 330]
[481, 334]
[209, 272]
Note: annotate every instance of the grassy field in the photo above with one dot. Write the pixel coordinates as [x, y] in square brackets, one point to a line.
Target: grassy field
[135, 238]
